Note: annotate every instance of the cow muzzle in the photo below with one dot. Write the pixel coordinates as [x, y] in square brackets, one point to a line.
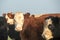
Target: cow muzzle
[18, 28]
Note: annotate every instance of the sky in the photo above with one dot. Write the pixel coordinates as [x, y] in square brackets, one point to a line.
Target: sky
[32, 6]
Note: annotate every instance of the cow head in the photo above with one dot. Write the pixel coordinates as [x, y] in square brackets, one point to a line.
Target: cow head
[19, 20]
[48, 27]
[9, 17]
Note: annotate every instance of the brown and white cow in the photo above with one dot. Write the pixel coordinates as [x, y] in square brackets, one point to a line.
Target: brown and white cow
[30, 28]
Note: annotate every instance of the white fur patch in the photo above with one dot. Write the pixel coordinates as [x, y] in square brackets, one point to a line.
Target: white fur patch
[19, 20]
[47, 32]
[10, 21]
[18, 27]
[48, 21]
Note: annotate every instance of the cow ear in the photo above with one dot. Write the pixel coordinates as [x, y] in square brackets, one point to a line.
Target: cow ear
[10, 15]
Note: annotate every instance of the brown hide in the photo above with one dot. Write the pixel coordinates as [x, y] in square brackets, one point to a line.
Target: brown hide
[42, 18]
[32, 29]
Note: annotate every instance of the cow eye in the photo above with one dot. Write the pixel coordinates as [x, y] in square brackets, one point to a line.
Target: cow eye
[51, 26]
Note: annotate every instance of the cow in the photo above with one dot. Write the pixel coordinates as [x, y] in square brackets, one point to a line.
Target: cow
[3, 29]
[51, 28]
[14, 35]
[30, 27]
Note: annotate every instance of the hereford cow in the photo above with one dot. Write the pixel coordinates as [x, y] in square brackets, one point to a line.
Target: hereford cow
[51, 28]
[14, 35]
[30, 29]
[3, 29]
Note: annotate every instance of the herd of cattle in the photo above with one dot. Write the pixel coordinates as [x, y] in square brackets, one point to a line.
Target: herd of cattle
[20, 26]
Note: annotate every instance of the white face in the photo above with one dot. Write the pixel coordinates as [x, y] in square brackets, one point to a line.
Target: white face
[10, 21]
[19, 20]
[47, 32]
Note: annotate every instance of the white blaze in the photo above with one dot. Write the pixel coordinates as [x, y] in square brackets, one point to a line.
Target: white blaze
[19, 20]
[47, 32]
